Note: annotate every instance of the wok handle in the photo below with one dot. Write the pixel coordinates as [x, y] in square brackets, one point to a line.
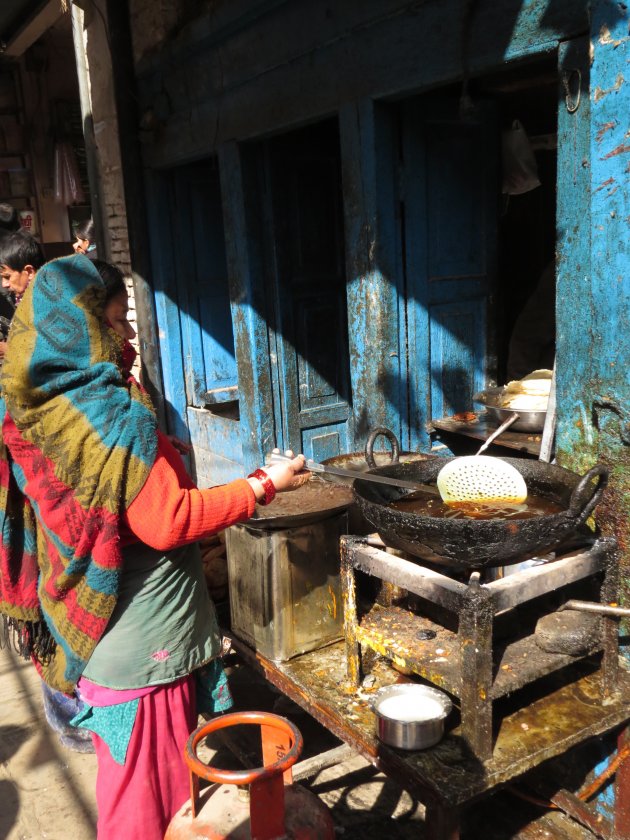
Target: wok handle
[369, 446]
[584, 499]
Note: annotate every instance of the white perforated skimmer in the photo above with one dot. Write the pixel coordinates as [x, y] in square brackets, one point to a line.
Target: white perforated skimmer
[481, 478]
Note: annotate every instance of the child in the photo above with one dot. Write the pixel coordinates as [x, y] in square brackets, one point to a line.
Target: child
[20, 257]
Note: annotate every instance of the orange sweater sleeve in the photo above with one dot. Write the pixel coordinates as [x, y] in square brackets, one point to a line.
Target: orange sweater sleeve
[171, 511]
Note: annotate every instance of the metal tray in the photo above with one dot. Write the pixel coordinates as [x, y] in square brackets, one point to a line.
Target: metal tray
[528, 421]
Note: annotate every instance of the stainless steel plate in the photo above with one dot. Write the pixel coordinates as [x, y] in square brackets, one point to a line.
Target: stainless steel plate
[528, 421]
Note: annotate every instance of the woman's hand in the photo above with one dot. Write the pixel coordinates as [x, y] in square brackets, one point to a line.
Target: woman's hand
[288, 475]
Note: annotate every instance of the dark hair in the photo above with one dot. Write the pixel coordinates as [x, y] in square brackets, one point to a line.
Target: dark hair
[9, 219]
[19, 249]
[113, 278]
[85, 230]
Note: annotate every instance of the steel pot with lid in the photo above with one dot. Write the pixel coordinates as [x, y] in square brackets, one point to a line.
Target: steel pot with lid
[466, 544]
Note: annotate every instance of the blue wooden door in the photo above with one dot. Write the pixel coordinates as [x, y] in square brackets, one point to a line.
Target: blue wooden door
[201, 292]
[310, 341]
[449, 203]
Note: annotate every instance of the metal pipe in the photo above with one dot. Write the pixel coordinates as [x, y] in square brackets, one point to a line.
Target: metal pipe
[593, 607]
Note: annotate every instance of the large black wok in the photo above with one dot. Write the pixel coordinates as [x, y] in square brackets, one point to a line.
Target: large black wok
[473, 543]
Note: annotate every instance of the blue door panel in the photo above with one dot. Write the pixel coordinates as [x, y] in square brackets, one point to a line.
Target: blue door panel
[218, 453]
[308, 289]
[199, 324]
[455, 191]
[448, 289]
[217, 337]
[209, 358]
[456, 352]
[166, 311]
[321, 337]
[325, 442]
[449, 190]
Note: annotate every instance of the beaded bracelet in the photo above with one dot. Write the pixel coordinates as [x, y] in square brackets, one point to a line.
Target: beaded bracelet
[268, 486]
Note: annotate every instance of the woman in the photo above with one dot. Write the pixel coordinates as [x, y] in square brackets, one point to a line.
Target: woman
[85, 241]
[100, 574]
[58, 707]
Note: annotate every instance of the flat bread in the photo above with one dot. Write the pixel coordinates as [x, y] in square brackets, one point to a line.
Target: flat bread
[542, 373]
[525, 402]
[531, 393]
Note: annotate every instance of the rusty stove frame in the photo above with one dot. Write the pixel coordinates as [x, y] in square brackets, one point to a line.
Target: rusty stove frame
[473, 669]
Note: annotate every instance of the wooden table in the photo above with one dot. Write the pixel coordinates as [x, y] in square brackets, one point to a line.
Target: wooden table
[464, 438]
[447, 777]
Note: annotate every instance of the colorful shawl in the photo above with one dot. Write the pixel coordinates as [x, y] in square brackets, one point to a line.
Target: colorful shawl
[78, 442]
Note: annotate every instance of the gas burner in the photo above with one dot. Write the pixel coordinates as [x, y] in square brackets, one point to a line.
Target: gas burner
[453, 633]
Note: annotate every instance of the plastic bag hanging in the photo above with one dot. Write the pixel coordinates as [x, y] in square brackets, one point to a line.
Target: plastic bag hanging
[67, 182]
[520, 171]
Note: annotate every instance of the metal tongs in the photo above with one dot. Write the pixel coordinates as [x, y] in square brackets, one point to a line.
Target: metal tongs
[333, 472]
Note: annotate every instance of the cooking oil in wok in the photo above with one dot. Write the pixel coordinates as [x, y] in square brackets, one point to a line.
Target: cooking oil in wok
[422, 505]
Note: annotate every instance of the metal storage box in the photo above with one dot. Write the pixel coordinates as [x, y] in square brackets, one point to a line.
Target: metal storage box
[285, 593]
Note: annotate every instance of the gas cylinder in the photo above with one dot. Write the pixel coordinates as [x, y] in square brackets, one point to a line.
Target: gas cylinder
[275, 808]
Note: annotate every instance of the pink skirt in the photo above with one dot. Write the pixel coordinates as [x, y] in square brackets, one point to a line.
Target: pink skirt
[139, 798]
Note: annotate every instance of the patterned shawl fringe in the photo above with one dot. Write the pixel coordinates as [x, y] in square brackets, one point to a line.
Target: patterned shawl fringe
[29, 639]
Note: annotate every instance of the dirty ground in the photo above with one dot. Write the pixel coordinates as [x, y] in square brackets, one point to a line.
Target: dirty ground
[47, 791]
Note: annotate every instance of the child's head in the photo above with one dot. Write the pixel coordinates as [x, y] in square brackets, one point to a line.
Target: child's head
[85, 236]
[116, 306]
[20, 257]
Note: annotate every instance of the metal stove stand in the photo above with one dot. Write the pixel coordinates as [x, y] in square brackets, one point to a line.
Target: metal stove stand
[468, 662]
[450, 776]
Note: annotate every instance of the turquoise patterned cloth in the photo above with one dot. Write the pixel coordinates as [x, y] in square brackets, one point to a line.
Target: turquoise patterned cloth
[114, 724]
